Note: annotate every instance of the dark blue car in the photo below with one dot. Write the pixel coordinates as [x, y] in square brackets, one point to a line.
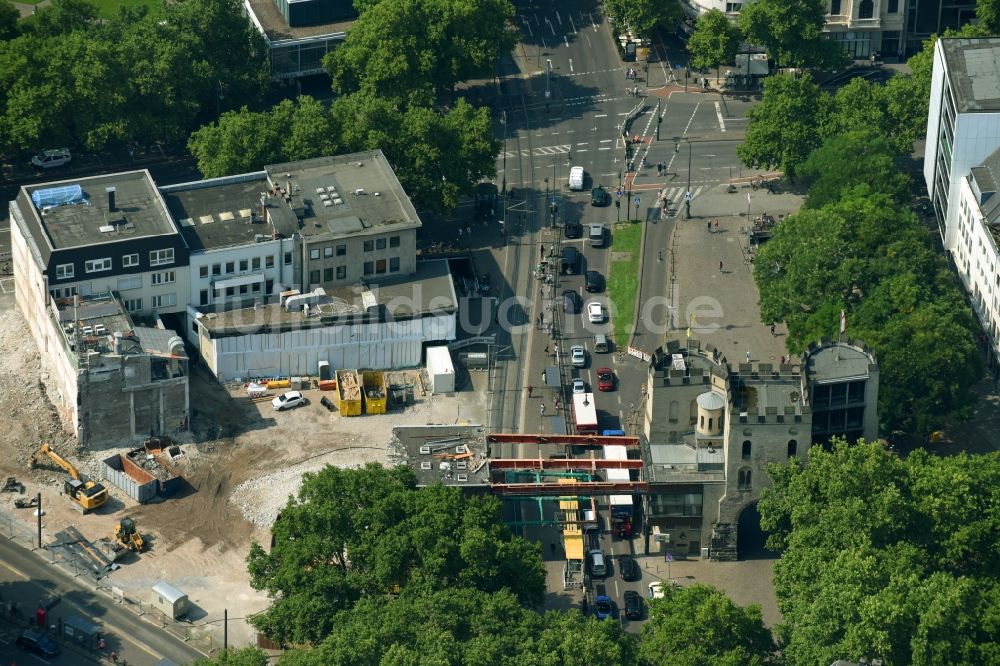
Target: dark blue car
[39, 643]
[603, 607]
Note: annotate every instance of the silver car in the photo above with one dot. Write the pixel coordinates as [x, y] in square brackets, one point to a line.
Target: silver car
[578, 356]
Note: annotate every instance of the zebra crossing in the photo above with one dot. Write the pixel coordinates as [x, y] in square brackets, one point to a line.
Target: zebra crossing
[676, 194]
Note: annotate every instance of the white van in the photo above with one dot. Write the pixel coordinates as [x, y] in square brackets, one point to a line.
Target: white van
[598, 568]
[576, 178]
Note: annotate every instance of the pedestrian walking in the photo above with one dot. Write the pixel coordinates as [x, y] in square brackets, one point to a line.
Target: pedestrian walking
[716, 226]
[546, 349]
[460, 232]
[101, 644]
[772, 329]
[720, 266]
[782, 360]
[541, 409]
[114, 656]
[748, 356]
[541, 252]
[710, 229]
[530, 389]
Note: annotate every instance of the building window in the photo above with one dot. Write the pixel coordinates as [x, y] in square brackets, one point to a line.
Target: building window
[244, 265]
[269, 261]
[380, 266]
[341, 250]
[327, 274]
[314, 253]
[893, 6]
[243, 290]
[393, 241]
[98, 265]
[734, 7]
[255, 287]
[379, 243]
[203, 271]
[161, 257]
[255, 263]
[866, 9]
[328, 251]
[369, 267]
[230, 291]
[835, 7]
[203, 297]
[64, 271]
[166, 277]
[130, 260]
[341, 272]
[747, 446]
[288, 258]
[745, 479]
[393, 264]
[216, 269]
[230, 267]
[164, 300]
[133, 304]
[268, 286]
[369, 245]
[314, 277]
[793, 448]
[132, 282]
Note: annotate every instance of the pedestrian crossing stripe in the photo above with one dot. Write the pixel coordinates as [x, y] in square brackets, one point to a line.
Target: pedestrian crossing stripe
[678, 193]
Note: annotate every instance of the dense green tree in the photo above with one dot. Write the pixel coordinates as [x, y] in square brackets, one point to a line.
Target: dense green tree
[242, 141]
[249, 656]
[988, 13]
[847, 160]
[643, 17]
[699, 624]
[786, 126]
[886, 557]
[410, 50]
[61, 17]
[9, 16]
[791, 31]
[714, 42]
[363, 534]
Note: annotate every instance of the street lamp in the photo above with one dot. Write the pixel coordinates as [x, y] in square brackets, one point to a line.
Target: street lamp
[548, 75]
[503, 188]
[687, 194]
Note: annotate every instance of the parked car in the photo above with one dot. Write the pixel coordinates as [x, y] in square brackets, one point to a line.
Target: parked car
[288, 400]
[573, 230]
[579, 386]
[570, 260]
[605, 379]
[39, 643]
[603, 607]
[49, 159]
[628, 568]
[571, 302]
[599, 196]
[593, 281]
[595, 312]
[578, 356]
[633, 605]
[595, 234]
[576, 178]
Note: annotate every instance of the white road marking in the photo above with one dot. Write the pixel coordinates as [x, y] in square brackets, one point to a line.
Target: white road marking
[605, 148]
[566, 39]
[570, 61]
[572, 24]
[527, 24]
[601, 115]
[718, 114]
[609, 174]
[623, 114]
[559, 18]
[583, 143]
[551, 27]
[581, 150]
[606, 140]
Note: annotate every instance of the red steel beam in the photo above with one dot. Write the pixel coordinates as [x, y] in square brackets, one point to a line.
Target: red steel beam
[563, 463]
[581, 488]
[569, 440]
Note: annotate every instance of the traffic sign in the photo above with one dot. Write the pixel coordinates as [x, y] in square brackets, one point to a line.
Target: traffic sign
[619, 193]
[670, 557]
[687, 196]
[552, 201]
[635, 202]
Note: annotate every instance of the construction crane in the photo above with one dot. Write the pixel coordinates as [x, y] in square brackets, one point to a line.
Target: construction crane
[127, 536]
[85, 495]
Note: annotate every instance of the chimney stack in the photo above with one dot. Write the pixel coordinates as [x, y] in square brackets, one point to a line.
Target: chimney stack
[111, 200]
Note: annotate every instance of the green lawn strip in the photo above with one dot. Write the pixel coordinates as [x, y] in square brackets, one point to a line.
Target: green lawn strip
[107, 9]
[623, 278]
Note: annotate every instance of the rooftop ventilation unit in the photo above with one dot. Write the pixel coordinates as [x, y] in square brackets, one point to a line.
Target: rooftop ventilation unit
[359, 191]
[425, 450]
[425, 466]
[461, 448]
[462, 477]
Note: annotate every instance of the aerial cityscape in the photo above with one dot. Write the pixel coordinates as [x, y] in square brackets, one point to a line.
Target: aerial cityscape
[658, 332]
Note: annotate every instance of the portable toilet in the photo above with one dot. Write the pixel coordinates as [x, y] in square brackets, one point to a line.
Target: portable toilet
[172, 602]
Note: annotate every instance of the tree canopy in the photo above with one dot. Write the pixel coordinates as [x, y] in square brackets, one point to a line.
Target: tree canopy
[791, 30]
[698, 624]
[368, 533]
[886, 557]
[249, 656]
[864, 254]
[850, 159]
[140, 77]
[644, 16]
[714, 42]
[412, 50]
[438, 157]
[9, 16]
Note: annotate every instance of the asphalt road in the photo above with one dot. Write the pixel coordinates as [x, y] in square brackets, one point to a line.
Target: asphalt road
[26, 577]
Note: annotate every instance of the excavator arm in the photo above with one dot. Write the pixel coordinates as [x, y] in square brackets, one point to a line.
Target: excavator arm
[46, 450]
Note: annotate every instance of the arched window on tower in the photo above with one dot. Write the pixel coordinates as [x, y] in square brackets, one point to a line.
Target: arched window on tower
[866, 9]
[746, 479]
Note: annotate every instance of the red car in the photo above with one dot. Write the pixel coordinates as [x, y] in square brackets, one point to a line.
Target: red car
[605, 379]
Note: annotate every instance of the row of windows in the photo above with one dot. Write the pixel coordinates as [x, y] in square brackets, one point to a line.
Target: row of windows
[205, 298]
[156, 258]
[341, 250]
[251, 264]
[747, 449]
[835, 395]
[866, 8]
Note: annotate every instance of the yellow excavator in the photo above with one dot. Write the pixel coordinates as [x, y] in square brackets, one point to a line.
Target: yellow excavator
[85, 495]
[127, 536]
